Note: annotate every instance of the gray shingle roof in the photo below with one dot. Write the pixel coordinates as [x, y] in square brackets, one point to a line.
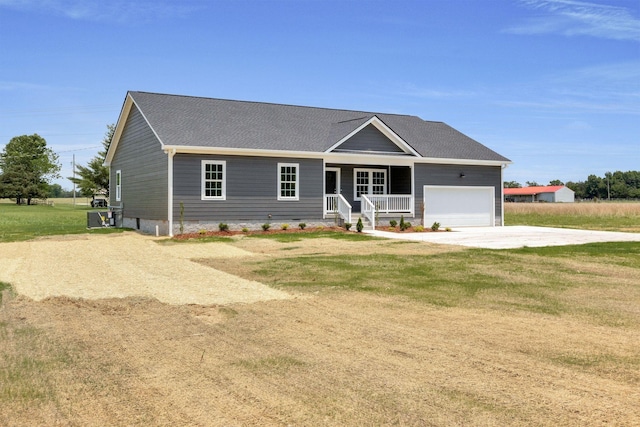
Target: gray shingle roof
[208, 122]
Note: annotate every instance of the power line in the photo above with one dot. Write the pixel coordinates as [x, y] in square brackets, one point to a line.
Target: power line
[78, 149]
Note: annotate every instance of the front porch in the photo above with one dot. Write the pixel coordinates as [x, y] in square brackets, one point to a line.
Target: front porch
[369, 191]
[372, 205]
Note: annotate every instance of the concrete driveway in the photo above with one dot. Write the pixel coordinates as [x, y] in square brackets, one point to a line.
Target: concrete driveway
[512, 236]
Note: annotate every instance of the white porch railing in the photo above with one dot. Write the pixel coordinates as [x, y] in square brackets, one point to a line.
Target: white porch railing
[368, 209]
[392, 203]
[337, 204]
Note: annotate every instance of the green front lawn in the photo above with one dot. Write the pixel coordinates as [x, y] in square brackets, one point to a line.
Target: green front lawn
[18, 223]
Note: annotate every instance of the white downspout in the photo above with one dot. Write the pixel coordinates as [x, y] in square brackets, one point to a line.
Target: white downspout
[504, 166]
[170, 154]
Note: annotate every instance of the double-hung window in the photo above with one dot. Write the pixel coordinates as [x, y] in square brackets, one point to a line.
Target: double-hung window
[288, 181]
[214, 180]
[118, 185]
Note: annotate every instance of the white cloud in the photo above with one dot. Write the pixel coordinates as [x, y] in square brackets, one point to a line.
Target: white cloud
[122, 11]
[575, 18]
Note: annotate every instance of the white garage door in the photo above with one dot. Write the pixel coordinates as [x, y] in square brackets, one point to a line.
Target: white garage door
[459, 206]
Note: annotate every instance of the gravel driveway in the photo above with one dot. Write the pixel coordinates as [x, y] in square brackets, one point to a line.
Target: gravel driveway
[123, 265]
[516, 236]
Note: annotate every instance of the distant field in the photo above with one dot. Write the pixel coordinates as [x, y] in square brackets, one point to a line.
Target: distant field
[80, 201]
[27, 222]
[591, 216]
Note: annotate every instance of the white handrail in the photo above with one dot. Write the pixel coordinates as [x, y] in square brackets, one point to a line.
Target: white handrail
[337, 204]
[344, 208]
[368, 210]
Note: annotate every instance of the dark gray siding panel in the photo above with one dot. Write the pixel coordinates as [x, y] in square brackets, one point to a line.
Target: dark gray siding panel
[251, 190]
[450, 175]
[144, 171]
[369, 139]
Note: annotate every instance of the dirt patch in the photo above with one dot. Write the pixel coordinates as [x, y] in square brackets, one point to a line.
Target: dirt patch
[124, 265]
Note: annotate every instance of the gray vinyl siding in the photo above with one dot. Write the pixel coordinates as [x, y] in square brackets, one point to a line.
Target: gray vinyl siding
[450, 175]
[144, 171]
[251, 190]
[369, 139]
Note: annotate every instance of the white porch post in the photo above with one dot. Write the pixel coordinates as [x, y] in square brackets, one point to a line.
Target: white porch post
[170, 155]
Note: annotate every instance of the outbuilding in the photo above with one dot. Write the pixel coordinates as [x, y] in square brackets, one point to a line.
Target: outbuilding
[549, 193]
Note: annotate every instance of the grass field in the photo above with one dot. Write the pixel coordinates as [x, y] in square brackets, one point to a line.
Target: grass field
[380, 333]
[27, 222]
[589, 216]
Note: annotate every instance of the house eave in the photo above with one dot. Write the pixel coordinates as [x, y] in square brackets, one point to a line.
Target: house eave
[333, 157]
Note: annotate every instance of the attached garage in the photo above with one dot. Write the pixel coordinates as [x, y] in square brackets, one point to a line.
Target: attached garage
[459, 206]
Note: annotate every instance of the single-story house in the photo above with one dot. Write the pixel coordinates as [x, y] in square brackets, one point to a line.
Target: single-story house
[548, 193]
[189, 163]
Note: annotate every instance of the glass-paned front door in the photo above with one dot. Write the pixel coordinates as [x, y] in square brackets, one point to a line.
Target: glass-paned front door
[332, 181]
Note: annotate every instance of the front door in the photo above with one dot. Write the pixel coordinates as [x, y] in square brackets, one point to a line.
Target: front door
[332, 181]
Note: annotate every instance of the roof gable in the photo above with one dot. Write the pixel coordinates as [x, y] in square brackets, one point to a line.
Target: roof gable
[370, 136]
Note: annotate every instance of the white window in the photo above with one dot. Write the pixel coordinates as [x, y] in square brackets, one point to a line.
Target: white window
[118, 185]
[369, 181]
[214, 180]
[288, 181]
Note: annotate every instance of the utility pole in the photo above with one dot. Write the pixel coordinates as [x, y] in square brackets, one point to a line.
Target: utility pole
[74, 179]
[609, 186]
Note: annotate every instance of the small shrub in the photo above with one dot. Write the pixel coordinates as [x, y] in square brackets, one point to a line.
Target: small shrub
[266, 226]
[418, 228]
[435, 226]
[302, 225]
[359, 225]
[447, 229]
[393, 223]
[347, 226]
[284, 226]
[245, 230]
[404, 224]
[223, 227]
[391, 229]
[202, 232]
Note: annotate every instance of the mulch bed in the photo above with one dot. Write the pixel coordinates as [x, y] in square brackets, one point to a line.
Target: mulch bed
[231, 233]
[291, 230]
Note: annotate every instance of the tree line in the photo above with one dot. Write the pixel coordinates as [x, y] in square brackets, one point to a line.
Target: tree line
[616, 185]
[27, 167]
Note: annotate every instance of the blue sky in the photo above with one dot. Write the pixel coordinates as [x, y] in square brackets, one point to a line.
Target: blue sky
[554, 85]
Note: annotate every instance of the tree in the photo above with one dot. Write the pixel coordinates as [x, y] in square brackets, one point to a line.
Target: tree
[532, 184]
[56, 190]
[595, 187]
[27, 165]
[511, 184]
[94, 177]
[578, 189]
[556, 182]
